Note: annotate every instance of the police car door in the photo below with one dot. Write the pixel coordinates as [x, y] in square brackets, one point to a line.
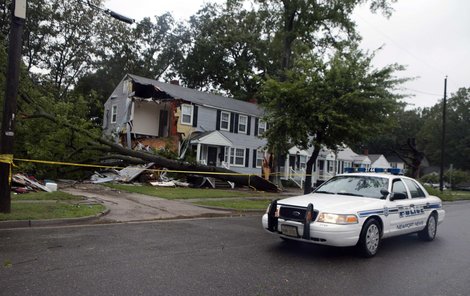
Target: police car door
[401, 221]
[418, 205]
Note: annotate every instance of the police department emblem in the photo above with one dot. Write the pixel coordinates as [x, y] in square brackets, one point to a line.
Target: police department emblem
[386, 211]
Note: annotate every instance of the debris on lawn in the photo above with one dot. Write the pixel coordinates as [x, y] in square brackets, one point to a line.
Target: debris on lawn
[131, 172]
[163, 184]
[23, 184]
[142, 172]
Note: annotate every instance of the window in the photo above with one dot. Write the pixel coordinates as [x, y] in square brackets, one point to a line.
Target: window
[261, 127]
[186, 114]
[237, 156]
[259, 158]
[242, 124]
[114, 114]
[302, 161]
[224, 121]
[415, 190]
[330, 166]
[399, 187]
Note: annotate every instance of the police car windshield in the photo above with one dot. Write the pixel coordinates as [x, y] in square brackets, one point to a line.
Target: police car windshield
[361, 186]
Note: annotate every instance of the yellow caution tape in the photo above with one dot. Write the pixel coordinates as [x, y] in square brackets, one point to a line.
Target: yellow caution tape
[8, 159]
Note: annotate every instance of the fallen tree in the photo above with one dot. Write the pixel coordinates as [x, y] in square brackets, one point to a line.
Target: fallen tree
[103, 144]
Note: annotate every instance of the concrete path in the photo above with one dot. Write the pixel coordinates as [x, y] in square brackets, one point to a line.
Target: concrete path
[126, 207]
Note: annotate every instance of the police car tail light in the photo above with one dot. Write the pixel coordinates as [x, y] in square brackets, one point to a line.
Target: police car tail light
[337, 218]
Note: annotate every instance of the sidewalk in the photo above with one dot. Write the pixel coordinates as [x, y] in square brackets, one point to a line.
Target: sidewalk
[130, 207]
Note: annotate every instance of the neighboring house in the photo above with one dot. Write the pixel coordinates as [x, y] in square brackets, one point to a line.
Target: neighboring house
[219, 131]
[328, 164]
[378, 161]
[396, 162]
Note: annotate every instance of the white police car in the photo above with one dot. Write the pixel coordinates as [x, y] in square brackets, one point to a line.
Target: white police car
[357, 209]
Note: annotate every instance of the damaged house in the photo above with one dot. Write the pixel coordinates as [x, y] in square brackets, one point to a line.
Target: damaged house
[143, 113]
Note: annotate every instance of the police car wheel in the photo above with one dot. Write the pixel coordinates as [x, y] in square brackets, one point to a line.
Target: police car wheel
[429, 232]
[369, 240]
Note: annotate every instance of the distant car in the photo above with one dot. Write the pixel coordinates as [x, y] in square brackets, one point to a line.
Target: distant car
[357, 209]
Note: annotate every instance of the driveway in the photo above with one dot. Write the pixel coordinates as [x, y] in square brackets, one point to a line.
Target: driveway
[126, 207]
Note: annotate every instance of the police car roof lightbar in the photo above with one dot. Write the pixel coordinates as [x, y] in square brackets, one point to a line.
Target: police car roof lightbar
[393, 171]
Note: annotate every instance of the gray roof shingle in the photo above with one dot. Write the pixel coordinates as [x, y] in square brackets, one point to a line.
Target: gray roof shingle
[201, 98]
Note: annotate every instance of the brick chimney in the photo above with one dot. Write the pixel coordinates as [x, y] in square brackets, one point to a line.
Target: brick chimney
[175, 82]
[366, 151]
[253, 101]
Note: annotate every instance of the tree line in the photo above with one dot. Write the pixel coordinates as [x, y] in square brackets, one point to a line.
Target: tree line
[299, 59]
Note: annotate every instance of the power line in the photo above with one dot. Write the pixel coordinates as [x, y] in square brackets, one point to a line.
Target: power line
[423, 92]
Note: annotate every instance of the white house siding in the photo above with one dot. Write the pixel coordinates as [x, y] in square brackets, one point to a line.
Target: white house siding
[251, 143]
[120, 99]
[381, 162]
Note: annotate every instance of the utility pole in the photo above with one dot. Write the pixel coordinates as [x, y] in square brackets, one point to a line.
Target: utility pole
[441, 175]
[18, 19]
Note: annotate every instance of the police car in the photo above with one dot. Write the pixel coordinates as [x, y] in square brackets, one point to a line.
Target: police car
[357, 209]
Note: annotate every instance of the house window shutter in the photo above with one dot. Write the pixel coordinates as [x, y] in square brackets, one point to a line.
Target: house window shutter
[195, 111]
[217, 123]
[254, 158]
[256, 126]
[232, 122]
[235, 127]
[248, 127]
[247, 157]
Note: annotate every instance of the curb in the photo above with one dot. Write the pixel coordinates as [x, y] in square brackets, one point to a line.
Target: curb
[50, 222]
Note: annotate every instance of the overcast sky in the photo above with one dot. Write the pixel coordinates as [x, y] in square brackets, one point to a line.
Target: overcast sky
[430, 37]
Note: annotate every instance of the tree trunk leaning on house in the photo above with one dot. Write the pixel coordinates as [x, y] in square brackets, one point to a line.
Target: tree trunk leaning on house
[308, 185]
[253, 181]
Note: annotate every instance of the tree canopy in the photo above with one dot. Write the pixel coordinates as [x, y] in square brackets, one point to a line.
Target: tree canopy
[300, 59]
[330, 104]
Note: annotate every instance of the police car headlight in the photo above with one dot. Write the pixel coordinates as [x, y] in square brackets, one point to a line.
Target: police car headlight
[337, 218]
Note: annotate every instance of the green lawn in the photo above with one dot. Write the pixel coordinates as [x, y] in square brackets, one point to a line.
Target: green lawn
[56, 195]
[185, 193]
[449, 195]
[245, 204]
[36, 211]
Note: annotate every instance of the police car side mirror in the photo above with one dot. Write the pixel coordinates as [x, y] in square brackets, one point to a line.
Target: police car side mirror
[384, 193]
[398, 195]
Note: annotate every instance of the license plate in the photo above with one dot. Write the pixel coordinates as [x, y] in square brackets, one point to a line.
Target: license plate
[289, 230]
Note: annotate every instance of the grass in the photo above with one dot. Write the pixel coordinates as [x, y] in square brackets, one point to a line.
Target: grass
[185, 193]
[37, 211]
[449, 195]
[56, 195]
[245, 204]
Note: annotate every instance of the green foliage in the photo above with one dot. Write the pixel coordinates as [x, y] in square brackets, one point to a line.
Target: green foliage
[39, 139]
[430, 178]
[456, 177]
[457, 131]
[342, 101]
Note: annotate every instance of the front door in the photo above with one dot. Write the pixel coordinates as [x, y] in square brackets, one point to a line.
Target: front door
[212, 156]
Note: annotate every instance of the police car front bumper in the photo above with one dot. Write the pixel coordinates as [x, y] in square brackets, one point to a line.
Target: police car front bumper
[320, 233]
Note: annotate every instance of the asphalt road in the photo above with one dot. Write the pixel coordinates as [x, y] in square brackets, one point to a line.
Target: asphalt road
[227, 256]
